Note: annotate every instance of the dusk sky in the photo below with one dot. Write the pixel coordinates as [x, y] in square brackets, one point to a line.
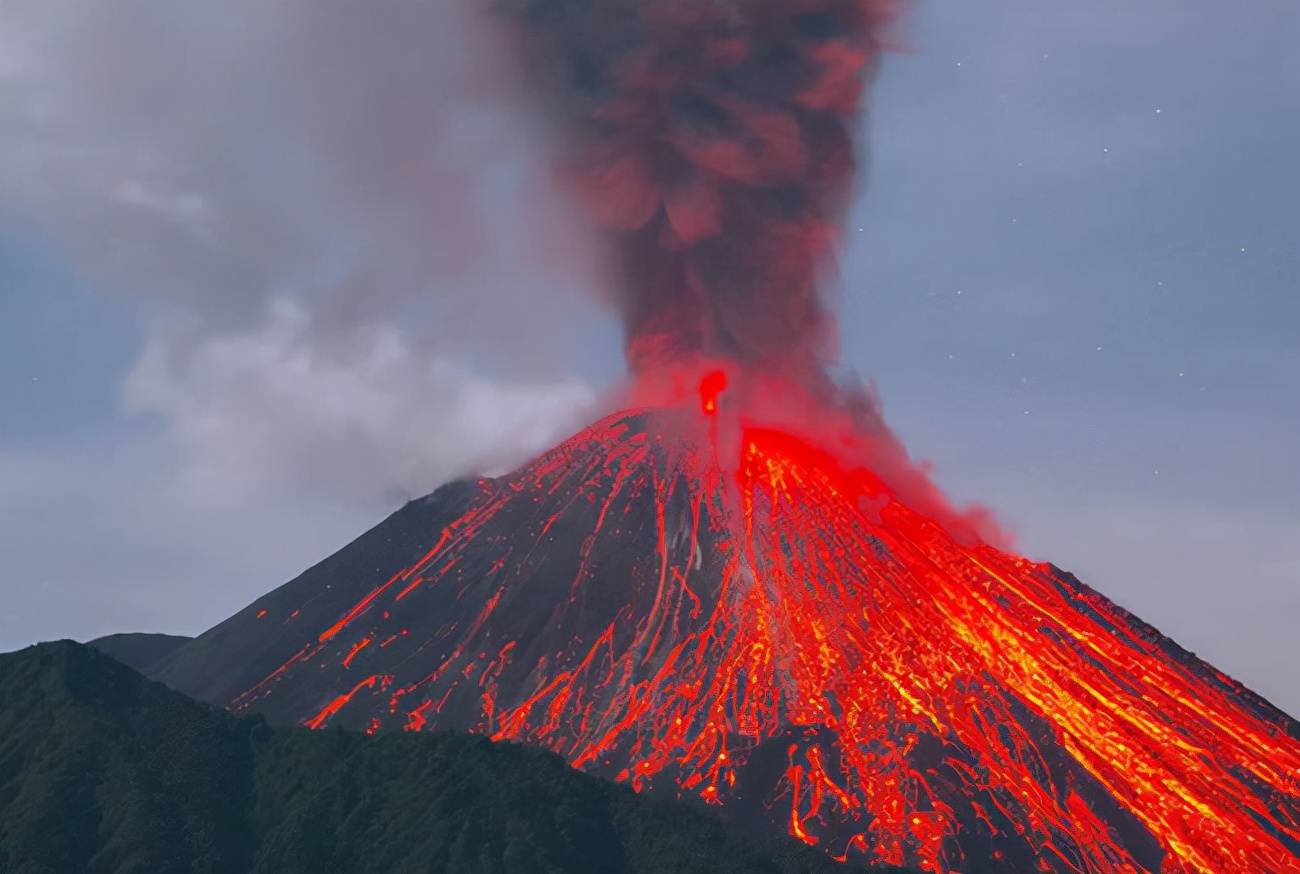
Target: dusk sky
[268, 271]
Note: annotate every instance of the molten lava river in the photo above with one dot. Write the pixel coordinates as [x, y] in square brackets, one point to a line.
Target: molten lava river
[727, 613]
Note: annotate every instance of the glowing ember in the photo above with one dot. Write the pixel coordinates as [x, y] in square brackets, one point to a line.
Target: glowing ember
[779, 635]
[713, 385]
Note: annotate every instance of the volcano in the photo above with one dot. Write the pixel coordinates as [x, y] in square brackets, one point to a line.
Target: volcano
[734, 614]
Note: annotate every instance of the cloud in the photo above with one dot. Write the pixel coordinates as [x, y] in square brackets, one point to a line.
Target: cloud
[100, 539]
[265, 410]
[336, 218]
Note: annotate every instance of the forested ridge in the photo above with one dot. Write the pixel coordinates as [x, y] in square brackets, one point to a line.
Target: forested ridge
[105, 772]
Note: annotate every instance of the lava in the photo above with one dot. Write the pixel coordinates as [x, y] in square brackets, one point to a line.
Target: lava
[791, 638]
[712, 386]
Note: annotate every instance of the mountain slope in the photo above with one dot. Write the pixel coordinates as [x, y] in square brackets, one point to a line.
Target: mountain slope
[265, 634]
[103, 771]
[139, 650]
[728, 614]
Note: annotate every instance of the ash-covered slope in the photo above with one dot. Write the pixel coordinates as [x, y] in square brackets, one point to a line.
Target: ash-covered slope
[142, 651]
[233, 656]
[745, 622]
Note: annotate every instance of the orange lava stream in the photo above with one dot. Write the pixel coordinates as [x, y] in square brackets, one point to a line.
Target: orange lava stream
[926, 627]
[913, 684]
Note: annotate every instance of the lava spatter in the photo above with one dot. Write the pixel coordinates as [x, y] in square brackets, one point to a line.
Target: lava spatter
[777, 634]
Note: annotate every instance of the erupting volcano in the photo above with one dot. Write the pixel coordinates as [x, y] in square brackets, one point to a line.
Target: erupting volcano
[737, 590]
[746, 620]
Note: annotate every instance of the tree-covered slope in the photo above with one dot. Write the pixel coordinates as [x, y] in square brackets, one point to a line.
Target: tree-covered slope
[104, 771]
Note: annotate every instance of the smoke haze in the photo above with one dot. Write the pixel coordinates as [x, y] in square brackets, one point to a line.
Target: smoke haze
[338, 218]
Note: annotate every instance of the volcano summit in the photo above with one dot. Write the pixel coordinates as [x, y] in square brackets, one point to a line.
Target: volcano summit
[749, 620]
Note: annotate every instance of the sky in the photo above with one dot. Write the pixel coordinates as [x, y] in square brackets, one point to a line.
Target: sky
[266, 272]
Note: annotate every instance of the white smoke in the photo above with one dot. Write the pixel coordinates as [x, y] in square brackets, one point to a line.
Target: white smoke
[336, 217]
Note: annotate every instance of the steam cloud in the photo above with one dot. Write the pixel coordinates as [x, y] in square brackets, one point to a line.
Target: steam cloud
[712, 140]
[337, 218]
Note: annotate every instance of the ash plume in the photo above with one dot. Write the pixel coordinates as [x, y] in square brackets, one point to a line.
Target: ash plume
[713, 142]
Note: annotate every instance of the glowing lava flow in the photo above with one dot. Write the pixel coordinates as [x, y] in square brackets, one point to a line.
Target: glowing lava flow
[781, 636]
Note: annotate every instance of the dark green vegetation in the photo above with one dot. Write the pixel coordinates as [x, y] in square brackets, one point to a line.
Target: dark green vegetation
[104, 771]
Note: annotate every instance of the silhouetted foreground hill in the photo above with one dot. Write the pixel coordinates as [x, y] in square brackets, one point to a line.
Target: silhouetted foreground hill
[104, 771]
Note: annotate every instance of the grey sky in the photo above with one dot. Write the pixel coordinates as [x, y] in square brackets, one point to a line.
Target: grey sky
[263, 274]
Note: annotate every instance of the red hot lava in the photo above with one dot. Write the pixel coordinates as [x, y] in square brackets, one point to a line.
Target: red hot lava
[712, 386]
[779, 634]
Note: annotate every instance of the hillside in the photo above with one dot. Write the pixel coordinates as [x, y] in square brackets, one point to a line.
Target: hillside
[139, 650]
[104, 771]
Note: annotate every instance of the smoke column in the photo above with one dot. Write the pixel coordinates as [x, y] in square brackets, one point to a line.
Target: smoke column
[712, 140]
